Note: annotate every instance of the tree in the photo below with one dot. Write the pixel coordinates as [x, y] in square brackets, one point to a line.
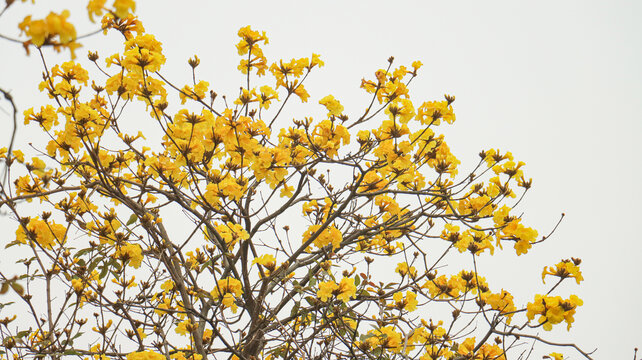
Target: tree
[182, 245]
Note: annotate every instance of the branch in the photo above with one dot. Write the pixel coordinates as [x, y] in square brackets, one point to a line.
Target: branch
[535, 337]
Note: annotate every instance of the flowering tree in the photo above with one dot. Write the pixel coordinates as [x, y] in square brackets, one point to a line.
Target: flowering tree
[182, 245]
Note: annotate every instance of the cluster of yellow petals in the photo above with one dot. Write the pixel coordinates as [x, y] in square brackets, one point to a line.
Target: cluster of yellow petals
[565, 269]
[226, 291]
[145, 355]
[47, 117]
[232, 233]
[443, 287]
[54, 29]
[45, 233]
[131, 252]
[328, 236]
[503, 302]
[268, 261]
[328, 137]
[120, 8]
[511, 228]
[249, 44]
[486, 351]
[473, 240]
[408, 302]
[344, 290]
[553, 310]
[333, 105]
[404, 269]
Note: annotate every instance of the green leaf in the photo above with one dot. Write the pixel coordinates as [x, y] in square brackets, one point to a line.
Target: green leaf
[17, 288]
[5, 304]
[132, 219]
[13, 243]
[94, 263]
[103, 272]
[295, 308]
[82, 252]
[311, 300]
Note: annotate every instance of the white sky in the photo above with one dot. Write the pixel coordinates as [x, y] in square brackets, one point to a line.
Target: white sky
[558, 83]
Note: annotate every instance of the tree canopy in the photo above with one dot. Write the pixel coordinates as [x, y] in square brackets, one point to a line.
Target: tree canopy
[218, 226]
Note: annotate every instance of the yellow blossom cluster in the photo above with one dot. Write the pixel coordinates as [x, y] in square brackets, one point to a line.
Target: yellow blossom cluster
[130, 252]
[267, 261]
[553, 310]
[45, 233]
[54, 30]
[344, 290]
[473, 240]
[565, 269]
[145, 355]
[231, 233]
[226, 291]
[408, 302]
[328, 236]
[512, 229]
[486, 351]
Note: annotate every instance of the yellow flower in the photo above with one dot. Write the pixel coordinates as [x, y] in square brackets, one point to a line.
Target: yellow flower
[45, 233]
[78, 285]
[401, 109]
[47, 117]
[347, 289]
[432, 112]
[344, 291]
[553, 310]
[287, 190]
[267, 95]
[145, 355]
[131, 252]
[329, 136]
[466, 348]
[334, 107]
[232, 233]
[51, 26]
[184, 327]
[330, 235]
[226, 290]
[403, 269]
[316, 60]
[19, 155]
[409, 302]
[565, 269]
[502, 302]
[488, 351]
[267, 260]
[249, 40]
[95, 7]
[124, 7]
[143, 52]
[326, 290]
[302, 93]
[387, 338]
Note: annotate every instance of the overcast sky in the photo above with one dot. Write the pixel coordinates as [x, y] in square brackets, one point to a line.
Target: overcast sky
[558, 83]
